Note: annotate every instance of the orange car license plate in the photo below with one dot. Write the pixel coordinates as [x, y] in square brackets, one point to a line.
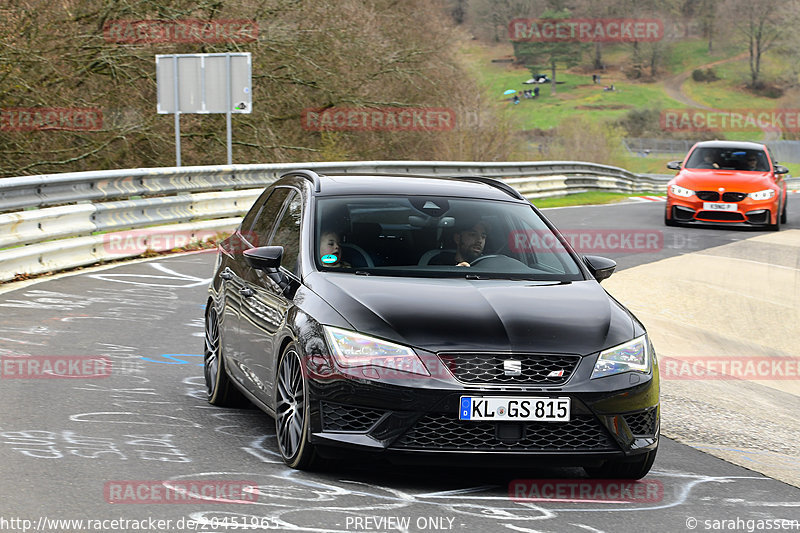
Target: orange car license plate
[712, 206]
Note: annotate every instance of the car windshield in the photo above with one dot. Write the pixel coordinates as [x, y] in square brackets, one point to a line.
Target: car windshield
[728, 159]
[436, 236]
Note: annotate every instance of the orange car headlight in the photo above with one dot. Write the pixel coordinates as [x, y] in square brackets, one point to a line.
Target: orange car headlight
[677, 190]
[766, 194]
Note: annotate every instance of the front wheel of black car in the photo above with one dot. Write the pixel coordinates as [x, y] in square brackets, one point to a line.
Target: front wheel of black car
[219, 388]
[623, 468]
[291, 411]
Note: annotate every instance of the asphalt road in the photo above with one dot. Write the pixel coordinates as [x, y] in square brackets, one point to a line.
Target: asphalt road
[141, 444]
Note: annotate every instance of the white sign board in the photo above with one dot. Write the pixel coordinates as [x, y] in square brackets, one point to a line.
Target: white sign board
[202, 83]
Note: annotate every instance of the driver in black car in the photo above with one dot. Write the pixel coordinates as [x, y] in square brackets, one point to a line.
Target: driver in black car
[469, 240]
[470, 243]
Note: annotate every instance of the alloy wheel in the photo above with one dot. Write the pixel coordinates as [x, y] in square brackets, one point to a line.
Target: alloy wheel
[290, 405]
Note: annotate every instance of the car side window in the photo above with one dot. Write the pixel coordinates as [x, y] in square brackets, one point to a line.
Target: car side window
[287, 234]
[259, 230]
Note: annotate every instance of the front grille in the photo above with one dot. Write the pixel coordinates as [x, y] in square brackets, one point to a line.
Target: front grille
[337, 417]
[733, 196]
[489, 368]
[642, 423]
[720, 215]
[708, 196]
[444, 432]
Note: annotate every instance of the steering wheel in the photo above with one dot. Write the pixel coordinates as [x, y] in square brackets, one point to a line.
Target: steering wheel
[501, 262]
[483, 258]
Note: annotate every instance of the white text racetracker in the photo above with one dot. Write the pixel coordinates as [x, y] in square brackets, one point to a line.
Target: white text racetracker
[514, 408]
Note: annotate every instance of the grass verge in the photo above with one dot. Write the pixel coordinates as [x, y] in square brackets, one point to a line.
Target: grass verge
[585, 198]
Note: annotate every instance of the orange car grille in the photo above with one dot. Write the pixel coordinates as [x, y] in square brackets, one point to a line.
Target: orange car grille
[713, 196]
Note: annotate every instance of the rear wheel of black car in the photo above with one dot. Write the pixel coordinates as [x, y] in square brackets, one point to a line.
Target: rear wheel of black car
[219, 388]
[291, 411]
[635, 468]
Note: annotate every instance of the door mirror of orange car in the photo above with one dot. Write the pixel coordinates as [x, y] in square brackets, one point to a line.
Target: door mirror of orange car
[674, 165]
[600, 267]
[780, 169]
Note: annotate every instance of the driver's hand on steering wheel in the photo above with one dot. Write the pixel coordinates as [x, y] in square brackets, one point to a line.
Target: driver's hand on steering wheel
[463, 264]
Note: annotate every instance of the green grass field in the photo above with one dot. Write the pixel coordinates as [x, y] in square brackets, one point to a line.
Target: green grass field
[578, 96]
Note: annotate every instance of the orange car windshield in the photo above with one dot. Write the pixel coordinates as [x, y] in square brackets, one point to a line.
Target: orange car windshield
[728, 159]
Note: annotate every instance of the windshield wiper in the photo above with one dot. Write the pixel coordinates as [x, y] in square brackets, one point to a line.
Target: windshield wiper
[517, 278]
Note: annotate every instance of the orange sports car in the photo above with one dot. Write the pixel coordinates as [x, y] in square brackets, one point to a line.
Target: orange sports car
[727, 182]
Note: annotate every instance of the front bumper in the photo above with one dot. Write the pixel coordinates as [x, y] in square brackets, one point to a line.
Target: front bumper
[748, 212]
[616, 416]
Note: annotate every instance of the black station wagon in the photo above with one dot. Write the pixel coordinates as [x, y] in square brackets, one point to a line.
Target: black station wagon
[427, 319]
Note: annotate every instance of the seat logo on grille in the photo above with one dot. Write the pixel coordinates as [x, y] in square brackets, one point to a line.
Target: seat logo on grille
[512, 367]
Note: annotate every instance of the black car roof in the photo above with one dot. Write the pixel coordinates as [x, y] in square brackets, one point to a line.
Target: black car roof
[736, 145]
[382, 184]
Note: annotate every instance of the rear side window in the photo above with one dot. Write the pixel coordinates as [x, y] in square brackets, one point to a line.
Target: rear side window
[260, 227]
[287, 234]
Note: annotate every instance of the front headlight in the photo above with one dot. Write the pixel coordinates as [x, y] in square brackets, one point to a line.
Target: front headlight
[351, 349]
[677, 190]
[766, 194]
[632, 356]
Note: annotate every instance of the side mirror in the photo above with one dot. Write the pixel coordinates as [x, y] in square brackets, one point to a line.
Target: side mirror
[267, 258]
[674, 165]
[600, 267]
[780, 169]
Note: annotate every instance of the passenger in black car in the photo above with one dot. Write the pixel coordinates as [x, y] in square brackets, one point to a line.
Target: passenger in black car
[330, 250]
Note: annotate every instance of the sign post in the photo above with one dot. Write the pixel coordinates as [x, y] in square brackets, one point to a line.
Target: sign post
[204, 83]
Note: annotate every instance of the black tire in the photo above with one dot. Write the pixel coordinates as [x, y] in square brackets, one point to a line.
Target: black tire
[777, 225]
[668, 221]
[636, 468]
[292, 412]
[220, 390]
[784, 215]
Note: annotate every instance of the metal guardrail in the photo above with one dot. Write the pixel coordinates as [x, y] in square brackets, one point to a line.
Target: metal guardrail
[51, 222]
[55, 189]
[782, 151]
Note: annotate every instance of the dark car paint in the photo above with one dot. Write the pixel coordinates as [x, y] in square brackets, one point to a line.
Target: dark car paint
[467, 315]
[509, 316]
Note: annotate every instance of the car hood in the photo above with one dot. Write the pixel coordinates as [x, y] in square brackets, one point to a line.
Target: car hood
[479, 315]
[731, 180]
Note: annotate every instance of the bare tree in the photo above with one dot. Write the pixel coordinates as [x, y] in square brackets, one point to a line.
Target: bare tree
[536, 55]
[490, 18]
[763, 24]
[308, 54]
